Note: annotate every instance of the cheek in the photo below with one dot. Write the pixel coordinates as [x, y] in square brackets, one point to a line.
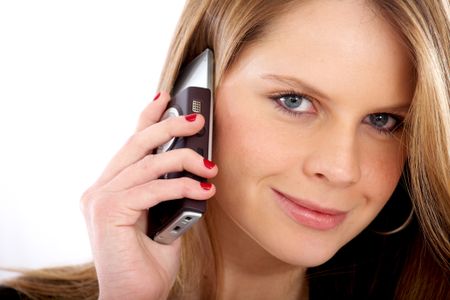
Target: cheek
[233, 141]
[382, 167]
[244, 144]
[247, 152]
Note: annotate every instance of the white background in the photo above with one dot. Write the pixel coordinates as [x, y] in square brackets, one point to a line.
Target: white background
[74, 76]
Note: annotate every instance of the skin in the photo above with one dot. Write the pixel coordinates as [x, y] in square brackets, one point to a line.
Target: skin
[329, 155]
[115, 207]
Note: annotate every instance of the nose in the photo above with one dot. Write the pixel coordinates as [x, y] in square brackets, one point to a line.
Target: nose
[335, 158]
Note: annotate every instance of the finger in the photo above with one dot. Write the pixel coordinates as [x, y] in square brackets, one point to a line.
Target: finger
[148, 195]
[142, 143]
[154, 110]
[152, 167]
[125, 208]
[115, 207]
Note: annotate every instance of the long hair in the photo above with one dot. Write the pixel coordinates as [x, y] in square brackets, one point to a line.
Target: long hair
[411, 264]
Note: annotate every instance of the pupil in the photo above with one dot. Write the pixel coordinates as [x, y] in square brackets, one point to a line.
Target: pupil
[379, 120]
[292, 101]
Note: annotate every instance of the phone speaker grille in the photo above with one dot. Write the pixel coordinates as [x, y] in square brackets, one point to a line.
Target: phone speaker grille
[196, 106]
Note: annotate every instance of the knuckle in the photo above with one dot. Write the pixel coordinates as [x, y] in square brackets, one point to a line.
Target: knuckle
[145, 114]
[176, 124]
[168, 127]
[186, 186]
[95, 202]
[146, 163]
[86, 200]
[151, 185]
[136, 140]
[186, 154]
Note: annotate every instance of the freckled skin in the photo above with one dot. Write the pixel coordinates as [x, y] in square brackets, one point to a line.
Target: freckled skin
[330, 156]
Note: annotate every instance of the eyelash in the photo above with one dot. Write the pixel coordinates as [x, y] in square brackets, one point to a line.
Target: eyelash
[398, 124]
[291, 93]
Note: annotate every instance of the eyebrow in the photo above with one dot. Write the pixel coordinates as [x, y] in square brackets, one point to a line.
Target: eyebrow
[295, 83]
[309, 89]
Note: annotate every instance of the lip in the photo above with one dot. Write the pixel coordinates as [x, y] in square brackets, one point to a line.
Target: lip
[309, 214]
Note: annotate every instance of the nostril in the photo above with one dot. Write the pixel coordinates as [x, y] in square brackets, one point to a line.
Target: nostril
[321, 176]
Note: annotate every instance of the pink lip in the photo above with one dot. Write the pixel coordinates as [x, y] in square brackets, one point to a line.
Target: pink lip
[309, 214]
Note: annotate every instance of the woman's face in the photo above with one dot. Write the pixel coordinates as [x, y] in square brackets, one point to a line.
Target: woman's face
[307, 137]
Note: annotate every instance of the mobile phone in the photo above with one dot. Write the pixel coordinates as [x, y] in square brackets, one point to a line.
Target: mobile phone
[192, 93]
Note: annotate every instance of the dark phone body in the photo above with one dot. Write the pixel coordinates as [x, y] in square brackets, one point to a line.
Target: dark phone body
[192, 94]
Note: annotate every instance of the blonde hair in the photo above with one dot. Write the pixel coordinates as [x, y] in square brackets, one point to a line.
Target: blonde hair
[227, 26]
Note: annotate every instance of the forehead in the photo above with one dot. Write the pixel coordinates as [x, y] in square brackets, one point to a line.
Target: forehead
[348, 26]
[342, 46]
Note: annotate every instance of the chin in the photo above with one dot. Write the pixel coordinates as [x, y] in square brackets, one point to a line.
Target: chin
[300, 247]
[303, 255]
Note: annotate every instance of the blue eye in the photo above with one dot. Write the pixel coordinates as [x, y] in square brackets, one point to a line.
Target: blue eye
[384, 122]
[294, 103]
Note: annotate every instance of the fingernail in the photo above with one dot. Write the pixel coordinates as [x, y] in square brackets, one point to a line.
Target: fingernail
[209, 164]
[157, 96]
[191, 117]
[206, 185]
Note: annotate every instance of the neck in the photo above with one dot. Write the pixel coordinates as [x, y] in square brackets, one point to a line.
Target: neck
[246, 270]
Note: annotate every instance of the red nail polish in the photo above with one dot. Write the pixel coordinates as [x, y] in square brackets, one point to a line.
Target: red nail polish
[209, 164]
[157, 96]
[206, 185]
[191, 117]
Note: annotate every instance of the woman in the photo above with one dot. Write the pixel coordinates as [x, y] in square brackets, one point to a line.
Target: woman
[327, 112]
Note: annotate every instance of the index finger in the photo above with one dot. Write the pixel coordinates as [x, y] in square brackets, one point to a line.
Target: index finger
[153, 111]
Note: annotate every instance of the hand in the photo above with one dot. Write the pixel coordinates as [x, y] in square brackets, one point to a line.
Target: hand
[130, 265]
